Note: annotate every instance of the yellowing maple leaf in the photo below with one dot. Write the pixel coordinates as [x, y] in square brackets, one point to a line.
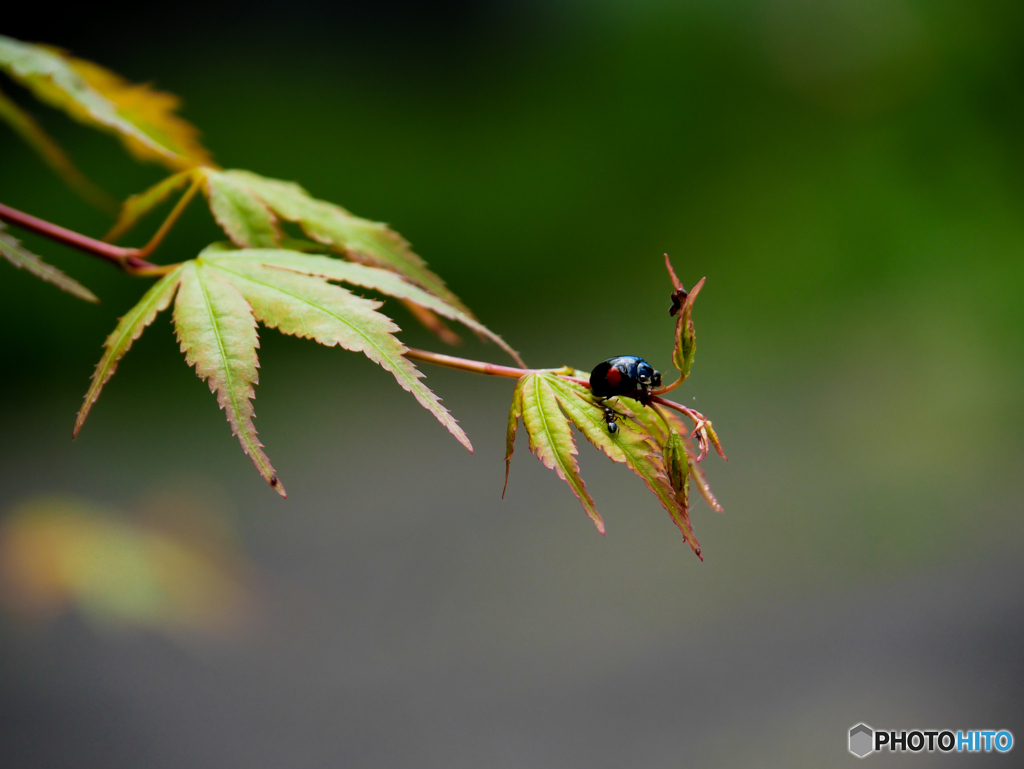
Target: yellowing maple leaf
[142, 118]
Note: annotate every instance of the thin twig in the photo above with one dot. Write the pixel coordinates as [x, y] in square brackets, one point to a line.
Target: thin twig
[661, 415]
[111, 253]
[696, 416]
[172, 217]
[700, 427]
[128, 259]
[465, 364]
[490, 369]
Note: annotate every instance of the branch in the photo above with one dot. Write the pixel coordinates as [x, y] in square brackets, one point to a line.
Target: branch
[128, 259]
[464, 364]
[491, 369]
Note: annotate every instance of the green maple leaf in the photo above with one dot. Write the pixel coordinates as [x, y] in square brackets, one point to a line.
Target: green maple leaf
[217, 332]
[633, 443]
[548, 403]
[248, 207]
[385, 281]
[308, 306]
[662, 435]
[550, 437]
[128, 329]
[142, 118]
[677, 468]
[223, 293]
[240, 212]
[15, 253]
[686, 338]
[515, 412]
[137, 206]
[677, 473]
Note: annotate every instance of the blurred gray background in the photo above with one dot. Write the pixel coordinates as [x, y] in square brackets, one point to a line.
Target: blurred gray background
[848, 174]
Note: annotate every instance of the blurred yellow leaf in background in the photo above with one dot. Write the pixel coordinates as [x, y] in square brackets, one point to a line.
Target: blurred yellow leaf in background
[59, 554]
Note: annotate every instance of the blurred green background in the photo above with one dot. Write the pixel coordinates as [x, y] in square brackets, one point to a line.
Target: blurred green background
[848, 174]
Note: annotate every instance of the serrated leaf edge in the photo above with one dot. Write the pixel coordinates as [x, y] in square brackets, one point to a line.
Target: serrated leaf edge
[563, 463]
[17, 255]
[240, 422]
[129, 328]
[386, 281]
[514, 413]
[403, 370]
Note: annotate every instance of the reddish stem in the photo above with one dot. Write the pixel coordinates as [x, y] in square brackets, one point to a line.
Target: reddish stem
[128, 259]
[480, 367]
[464, 364]
[696, 416]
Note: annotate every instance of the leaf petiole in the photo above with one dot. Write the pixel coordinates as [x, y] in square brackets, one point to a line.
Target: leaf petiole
[668, 388]
[661, 415]
[697, 418]
[171, 219]
[490, 369]
[465, 364]
[128, 259]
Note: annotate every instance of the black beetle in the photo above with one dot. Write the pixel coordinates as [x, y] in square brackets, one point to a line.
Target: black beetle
[624, 375]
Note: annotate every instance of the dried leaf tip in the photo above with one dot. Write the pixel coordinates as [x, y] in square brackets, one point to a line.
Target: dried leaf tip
[680, 296]
[676, 283]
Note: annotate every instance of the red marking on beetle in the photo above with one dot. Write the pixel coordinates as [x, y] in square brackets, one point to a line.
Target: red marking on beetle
[614, 376]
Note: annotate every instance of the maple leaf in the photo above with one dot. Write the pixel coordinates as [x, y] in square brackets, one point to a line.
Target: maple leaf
[378, 279]
[137, 206]
[240, 212]
[549, 402]
[15, 253]
[308, 306]
[663, 433]
[222, 294]
[217, 332]
[677, 473]
[677, 468]
[128, 329]
[25, 126]
[550, 438]
[633, 443]
[248, 206]
[686, 338]
[142, 118]
[514, 413]
[150, 110]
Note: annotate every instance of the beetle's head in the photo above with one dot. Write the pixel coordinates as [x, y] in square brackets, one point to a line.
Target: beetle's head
[647, 375]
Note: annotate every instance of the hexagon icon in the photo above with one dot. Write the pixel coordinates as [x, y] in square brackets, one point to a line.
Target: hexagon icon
[861, 739]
